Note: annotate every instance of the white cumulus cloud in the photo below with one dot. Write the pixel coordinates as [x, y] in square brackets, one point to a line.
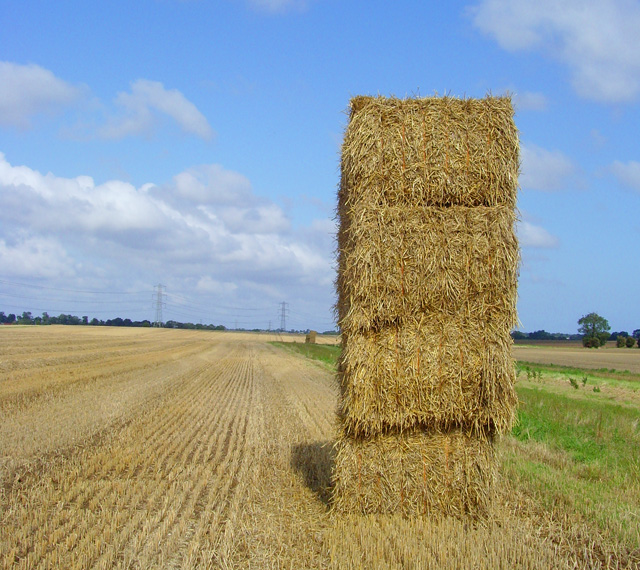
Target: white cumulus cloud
[206, 227]
[35, 256]
[29, 90]
[596, 39]
[543, 169]
[141, 107]
[49, 203]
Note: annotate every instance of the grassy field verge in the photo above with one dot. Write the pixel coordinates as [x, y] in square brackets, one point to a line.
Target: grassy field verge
[573, 454]
[599, 373]
[580, 458]
[327, 354]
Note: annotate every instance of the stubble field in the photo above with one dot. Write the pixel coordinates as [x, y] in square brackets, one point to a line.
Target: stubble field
[573, 354]
[153, 448]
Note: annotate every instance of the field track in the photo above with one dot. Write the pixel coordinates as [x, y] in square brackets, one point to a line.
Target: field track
[186, 449]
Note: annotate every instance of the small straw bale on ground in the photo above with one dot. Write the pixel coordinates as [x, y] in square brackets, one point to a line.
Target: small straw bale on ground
[415, 473]
[407, 261]
[435, 371]
[435, 151]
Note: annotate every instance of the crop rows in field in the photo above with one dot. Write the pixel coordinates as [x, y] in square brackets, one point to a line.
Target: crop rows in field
[216, 453]
[150, 496]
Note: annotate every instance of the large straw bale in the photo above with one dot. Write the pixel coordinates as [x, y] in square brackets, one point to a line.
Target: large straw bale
[427, 277]
[415, 473]
[436, 151]
[434, 371]
[398, 261]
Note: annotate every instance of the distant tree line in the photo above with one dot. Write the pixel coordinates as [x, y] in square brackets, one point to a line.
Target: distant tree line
[28, 319]
[544, 335]
[593, 332]
[199, 326]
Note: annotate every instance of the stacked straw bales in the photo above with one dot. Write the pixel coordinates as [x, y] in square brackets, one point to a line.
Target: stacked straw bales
[427, 277]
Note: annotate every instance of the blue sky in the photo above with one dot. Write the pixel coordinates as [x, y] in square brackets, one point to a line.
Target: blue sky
[196, 144]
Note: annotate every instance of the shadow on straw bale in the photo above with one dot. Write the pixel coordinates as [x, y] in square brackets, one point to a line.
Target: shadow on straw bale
[314, 461]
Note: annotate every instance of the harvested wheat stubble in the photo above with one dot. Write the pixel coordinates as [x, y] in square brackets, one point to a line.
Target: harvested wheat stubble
[415, 472]
[436, 371]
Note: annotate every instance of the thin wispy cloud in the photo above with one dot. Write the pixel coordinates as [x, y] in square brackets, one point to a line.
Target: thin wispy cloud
[140, 110]
[545, 170]
[596, 39]
[534, 236]
[627, 173]
[530, 101]
[30, 90]
[278, 6]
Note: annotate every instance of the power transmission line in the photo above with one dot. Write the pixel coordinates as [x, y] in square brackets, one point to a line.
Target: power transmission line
[283, 315]
[159, 304]
[91, 291]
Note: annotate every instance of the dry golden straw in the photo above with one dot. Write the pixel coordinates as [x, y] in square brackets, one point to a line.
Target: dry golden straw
[431, 152]
[435, 372]
[415, 473]
[427, 285]
[398, 261]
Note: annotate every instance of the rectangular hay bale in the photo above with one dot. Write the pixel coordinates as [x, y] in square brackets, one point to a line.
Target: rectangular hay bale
[415, 473]
[435, 371]
[435, 151]
[417, 260]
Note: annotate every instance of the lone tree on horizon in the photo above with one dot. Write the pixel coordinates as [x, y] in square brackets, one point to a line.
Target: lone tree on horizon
[595, 330]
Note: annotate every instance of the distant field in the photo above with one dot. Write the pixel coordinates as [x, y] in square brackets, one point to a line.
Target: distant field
[608, 357]
[154, 448]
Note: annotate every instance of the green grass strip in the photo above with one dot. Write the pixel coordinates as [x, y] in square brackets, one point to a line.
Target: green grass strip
[327, 354]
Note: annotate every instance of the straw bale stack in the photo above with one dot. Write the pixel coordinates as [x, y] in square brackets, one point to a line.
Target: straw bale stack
[427, 285]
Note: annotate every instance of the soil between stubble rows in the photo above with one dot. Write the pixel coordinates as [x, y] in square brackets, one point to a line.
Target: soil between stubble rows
[215, 452]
